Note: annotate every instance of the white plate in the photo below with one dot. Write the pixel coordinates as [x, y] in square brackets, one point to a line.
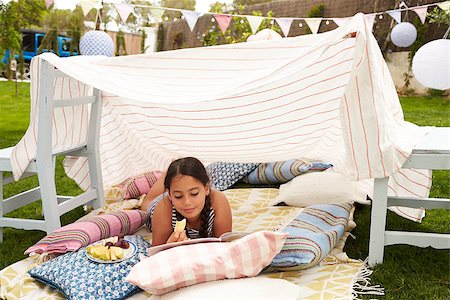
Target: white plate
[127, 253]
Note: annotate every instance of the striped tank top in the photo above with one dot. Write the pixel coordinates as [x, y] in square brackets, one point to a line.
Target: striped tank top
[190, 232]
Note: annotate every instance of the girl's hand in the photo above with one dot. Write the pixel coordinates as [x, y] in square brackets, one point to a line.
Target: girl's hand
[177, 237]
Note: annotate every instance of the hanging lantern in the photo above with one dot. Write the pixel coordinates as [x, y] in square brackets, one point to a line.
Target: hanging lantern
[265, 34]
[403, 34]
[431, 64]
[96, 42]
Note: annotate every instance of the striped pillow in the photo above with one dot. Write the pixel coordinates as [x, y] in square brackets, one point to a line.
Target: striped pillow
[191, 264]
[283, 171]
[311, 236]
[79, 234]
[134, 187]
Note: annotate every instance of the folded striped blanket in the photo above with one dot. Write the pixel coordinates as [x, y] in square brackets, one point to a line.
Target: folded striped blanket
[311, 236]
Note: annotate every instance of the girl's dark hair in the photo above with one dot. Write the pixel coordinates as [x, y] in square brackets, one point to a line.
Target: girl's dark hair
[191, 166]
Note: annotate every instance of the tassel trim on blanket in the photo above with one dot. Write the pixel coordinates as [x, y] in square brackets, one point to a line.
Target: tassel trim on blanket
[362, 284]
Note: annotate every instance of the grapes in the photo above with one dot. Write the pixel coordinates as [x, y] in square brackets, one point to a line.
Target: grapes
[120, 243]
[125, 244]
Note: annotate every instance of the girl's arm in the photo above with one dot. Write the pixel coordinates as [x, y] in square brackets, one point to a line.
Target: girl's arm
[156, 190]
[162, 231]
[222, 210]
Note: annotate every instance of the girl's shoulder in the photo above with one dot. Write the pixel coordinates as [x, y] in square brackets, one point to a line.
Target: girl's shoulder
[218, 199]
[164, 205]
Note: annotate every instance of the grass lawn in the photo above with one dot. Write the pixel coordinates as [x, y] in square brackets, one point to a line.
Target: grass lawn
[407, 272]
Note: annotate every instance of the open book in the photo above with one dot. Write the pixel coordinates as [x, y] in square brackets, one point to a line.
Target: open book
[226, 237]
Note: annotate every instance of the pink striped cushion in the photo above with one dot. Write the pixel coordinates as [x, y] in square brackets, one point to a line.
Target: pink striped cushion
[79, 234]
[187, 265]
[134, 187]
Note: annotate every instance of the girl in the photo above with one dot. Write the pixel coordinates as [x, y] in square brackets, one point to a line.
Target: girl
[187, 195]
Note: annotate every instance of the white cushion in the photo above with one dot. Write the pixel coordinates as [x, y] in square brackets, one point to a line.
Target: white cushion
[260, 288]
[320, 188]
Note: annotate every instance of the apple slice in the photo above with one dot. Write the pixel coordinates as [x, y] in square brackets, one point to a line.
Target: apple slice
[180, 226]
[116, 252]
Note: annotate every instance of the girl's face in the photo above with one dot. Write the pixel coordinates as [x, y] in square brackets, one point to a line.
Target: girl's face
[188, 195]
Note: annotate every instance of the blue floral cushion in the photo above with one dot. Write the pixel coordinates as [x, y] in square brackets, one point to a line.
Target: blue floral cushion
[224, 174]
[77, 277]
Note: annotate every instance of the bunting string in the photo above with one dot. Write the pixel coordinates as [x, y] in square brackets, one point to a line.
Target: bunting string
[224, 19]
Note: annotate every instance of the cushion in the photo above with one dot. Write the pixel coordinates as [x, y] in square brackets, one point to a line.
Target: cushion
[191, 264]
[224, 174]
[311, 236]
[237, 289]
[77, 277]
[136, 186]
[283, 171]
[319, 188]
[76, 235]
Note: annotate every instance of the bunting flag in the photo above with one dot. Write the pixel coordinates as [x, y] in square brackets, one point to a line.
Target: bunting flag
[157, 14]
[223, 21]
[285, 24]
[124, 11]
[48, 3]
[313, 23]
[191, 18]
[370, 19]
[421, 12]
[254, 22]
[87, 5]
[396, 15]
[444, 5]
[340, 21]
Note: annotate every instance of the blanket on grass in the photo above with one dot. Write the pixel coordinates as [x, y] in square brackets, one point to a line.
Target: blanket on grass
[336, 276]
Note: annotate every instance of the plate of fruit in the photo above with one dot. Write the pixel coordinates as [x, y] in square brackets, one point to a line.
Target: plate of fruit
[111, 250]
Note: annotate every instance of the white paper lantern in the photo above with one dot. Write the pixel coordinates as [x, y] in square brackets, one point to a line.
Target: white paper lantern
[96, 42]
[431, 64]
[265, 34]
[403, 34]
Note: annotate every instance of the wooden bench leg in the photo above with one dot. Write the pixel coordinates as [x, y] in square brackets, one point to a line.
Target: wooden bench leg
[378, 221]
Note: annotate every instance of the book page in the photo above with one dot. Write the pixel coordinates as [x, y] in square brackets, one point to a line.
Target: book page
[226, 237]
[155, 249]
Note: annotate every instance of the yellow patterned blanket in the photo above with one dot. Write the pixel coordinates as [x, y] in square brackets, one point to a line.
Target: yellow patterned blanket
[334, 278]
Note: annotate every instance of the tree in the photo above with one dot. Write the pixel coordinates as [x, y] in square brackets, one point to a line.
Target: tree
[183, 4]
[238, 3]
[238, 31]
[63, 22]
[14, 16]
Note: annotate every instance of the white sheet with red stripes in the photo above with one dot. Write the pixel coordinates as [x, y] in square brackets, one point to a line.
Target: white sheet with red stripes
[324, 96]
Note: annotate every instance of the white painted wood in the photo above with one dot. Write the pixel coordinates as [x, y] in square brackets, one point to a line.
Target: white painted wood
[62, 199]
[5, 154]
[435, 142]
[431, 153]
[1, 204]
[75, 101]
[44, 164]
[378, 221]
[76, 201]
[44, 157]
[93, 150]
[28, 224]
[428, 203]
[22, 199]
[419, 239]
[431, 161]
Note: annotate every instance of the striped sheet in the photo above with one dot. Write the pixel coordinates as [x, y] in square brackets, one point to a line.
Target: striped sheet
[325, 97]
[76, 235]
